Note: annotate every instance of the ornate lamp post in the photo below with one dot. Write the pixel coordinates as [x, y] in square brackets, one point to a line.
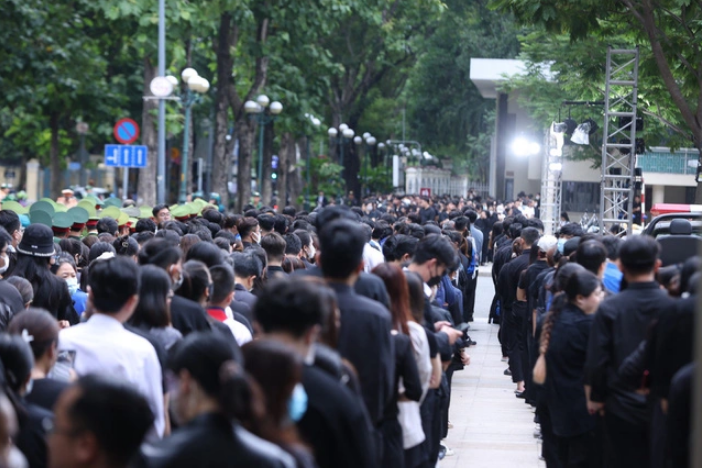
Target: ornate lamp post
[257, 110]
[197, 85]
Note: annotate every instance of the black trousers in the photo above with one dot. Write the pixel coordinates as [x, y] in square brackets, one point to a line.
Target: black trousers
[626, 443]
[469, 301]
[515, 343]
[581, 451]
[393, 453]
[549, 446]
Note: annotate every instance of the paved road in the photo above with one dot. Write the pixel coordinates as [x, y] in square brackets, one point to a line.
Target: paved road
[491, 427]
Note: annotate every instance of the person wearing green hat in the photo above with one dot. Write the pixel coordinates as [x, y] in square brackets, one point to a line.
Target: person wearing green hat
[80, 217]
[61, 225]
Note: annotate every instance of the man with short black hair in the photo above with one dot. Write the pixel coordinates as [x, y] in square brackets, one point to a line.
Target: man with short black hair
[266, 221]
[341, 261]
[515, 316]
[11, 222]
[336, 425]
[246, 269]
[612, 278]
[221, 298]
[102, 344]
[99, 422]
[620, 325]
[108, 225]
[275, 246]
[161, 214]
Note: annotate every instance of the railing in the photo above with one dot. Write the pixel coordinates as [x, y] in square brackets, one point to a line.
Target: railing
[661, 160]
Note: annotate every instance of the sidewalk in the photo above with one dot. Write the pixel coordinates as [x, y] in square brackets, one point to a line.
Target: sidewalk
[491, 427]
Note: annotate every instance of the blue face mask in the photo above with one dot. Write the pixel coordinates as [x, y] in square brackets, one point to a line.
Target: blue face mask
[297, 405]
[561, 243]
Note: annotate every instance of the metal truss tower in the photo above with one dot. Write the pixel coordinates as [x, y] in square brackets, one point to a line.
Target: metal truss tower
[619, 138]
[551, 182]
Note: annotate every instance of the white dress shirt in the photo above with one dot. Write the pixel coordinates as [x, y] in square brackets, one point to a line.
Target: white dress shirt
[242, 335]
[371, 258]
[103, 346]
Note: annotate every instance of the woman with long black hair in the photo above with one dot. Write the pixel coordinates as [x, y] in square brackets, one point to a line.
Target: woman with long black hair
[561, 366]
[35, 254]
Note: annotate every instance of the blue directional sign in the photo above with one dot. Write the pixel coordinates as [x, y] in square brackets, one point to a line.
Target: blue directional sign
[126, 155]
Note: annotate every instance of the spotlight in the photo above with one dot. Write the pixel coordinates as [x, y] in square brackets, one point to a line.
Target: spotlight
[581, 134]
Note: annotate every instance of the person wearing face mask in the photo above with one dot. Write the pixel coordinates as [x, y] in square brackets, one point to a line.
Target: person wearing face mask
[213, 400]
[186, 315]
[65, 268]
[277, 369]
[246, 269]
[250, 231]
[308, 252]
[293, 311]
[17, 362]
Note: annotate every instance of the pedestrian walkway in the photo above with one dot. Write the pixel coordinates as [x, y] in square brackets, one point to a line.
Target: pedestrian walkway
[491, 427]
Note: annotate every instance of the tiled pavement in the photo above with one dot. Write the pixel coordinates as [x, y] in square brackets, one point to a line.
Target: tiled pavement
[491, 427]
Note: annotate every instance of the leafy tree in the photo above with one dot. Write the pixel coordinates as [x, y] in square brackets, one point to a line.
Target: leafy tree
[668, 31]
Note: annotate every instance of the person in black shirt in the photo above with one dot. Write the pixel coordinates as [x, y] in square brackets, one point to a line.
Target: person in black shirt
[335, 424]
[516, 309]
[43, 328]
[340, 258]
[563, 348]
[186, 315]
[99, 422]
[211, 393]
[619, 327]
[426, 211]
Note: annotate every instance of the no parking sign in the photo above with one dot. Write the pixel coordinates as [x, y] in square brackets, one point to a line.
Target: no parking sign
[126, 131]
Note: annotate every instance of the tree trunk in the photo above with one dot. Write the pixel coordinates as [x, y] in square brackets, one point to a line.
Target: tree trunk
[146, 188]
[54, 154]
[222, 161]
[267, 181]
[245, 132]
[297, 172]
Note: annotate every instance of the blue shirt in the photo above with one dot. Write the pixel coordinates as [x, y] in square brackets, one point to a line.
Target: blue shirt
[79, 300]
[612, 277]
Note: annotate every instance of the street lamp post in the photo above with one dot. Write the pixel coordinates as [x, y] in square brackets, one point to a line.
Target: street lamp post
[257, 110]
[344, 134]
[369, 141]
[196, 86]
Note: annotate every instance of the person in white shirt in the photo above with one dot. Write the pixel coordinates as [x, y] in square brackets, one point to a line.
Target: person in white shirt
[103, 346]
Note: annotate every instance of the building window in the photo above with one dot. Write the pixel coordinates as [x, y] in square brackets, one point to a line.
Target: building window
[580, 197]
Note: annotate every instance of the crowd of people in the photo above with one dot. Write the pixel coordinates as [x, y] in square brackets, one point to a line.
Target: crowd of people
[184, 336]
[599, 340]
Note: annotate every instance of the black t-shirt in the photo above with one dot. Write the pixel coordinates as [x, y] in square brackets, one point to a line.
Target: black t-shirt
[45, 392]
[335, 424]
[31, 439]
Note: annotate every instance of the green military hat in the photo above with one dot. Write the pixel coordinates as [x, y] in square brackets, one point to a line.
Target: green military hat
[44, 206]
[113, 201]
[145, 212]
[180, 212]
[122, 219]
[132, 211]
[14, 206]
[62, 220]
[40, 217]
[89, 208]
[80, 218]
[60, 207]
[111, 211]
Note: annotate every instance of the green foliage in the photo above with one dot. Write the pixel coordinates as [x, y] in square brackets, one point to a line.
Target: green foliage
[446, 111]
[326, 177]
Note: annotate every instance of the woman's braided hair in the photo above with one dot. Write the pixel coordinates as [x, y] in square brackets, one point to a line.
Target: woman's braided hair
[570, 281]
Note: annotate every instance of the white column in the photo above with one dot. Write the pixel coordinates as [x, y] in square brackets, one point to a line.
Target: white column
[658, 194]
[33, 181]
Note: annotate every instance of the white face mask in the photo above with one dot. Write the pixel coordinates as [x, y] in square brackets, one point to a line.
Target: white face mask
[256, 236]
[72, 285]
[311, 252]
[5, 263]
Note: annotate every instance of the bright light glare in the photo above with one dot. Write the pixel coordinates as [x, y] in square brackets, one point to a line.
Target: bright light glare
[556, 152]
[523, 147]
[555, 167]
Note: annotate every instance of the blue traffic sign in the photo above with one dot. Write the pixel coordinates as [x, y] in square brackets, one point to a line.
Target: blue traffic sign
[126, 155]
